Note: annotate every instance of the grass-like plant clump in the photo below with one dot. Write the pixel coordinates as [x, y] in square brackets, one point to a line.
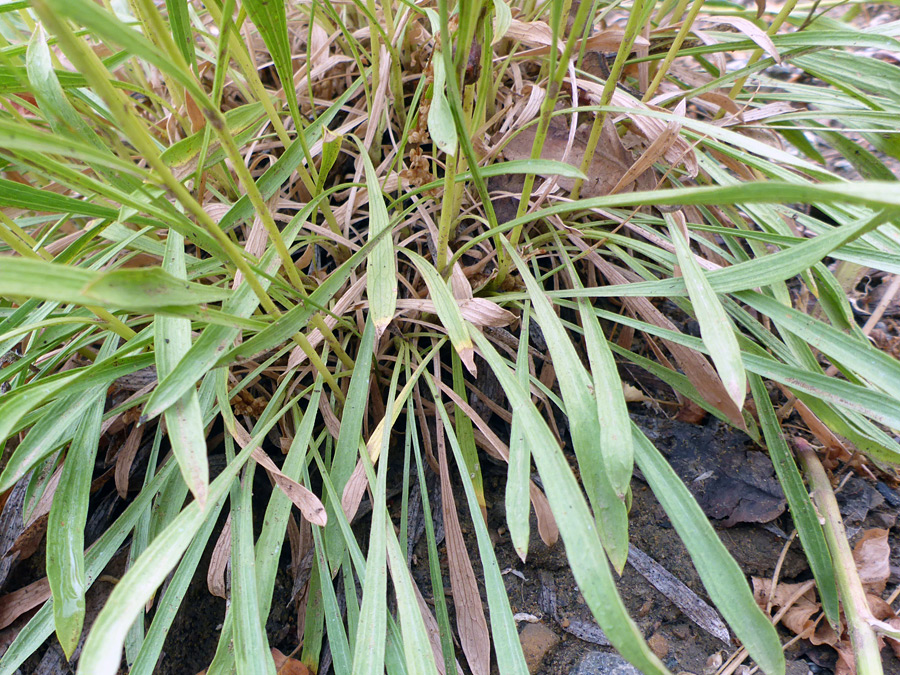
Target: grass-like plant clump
[349, 244]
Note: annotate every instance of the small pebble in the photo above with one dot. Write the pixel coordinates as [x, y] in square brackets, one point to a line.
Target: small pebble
[713, 662]
[601, 663]
[798, 668]
[536, 641]
[682, 631]
[659, 645]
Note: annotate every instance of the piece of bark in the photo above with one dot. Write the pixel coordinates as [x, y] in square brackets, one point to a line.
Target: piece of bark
[681, 596]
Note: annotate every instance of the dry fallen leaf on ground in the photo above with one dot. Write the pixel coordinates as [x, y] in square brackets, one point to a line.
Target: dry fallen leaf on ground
[872, 554]
[285, 665]
[610, 162]
[802, 613]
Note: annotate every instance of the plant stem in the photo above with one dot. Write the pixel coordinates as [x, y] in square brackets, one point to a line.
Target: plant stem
[98, 76]
[445, 225]
[779, 19]
[672, 54]
[853, 595]
[632, 28]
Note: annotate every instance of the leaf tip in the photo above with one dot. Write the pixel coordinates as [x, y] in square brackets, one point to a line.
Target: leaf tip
[319, 517]
[467, 356]
[381, 325]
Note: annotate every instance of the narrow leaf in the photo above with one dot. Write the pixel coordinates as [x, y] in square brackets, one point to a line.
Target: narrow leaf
[381, 269]
[606, 499]
[806, 520]
[440, 119]
[65, 530]
[615, 433]
[717, 569]
[576, 524]
[716, 329]
[184, 421]
[139, 290]
[447, 310]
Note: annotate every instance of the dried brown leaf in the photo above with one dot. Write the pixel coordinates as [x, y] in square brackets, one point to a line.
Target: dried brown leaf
[470, 621]
[652, 154]
[309, 505]
[836, 447]
[532, 33]
[797, 603]
[27, 543]
[881, 610]
[459, 284]
[255, 245]
[15, 604]
[893, 643]
[540, 35]
[478, 311]
[872, 557]
[125, 458]
[353, 491]
[609, 164]
[286, 665]
[332, 423]
[680, 153]
[750, 29]
[198, 121]
[726, 103]
[218, 562]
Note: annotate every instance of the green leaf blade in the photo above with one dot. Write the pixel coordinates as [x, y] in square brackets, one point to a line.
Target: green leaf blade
[720, 574]
[716, 329]
[381, 269]
[184, 421]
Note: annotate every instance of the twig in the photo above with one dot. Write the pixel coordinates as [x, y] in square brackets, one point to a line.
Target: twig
[853, 596]
[882, 305]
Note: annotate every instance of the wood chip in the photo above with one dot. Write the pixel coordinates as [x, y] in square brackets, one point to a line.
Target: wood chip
[683, 597]
[587, 631]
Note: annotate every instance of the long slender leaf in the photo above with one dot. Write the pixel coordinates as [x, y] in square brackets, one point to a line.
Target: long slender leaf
[716, 329]
[802, 510]
[381, 274]
[184, 422]
[135, 289]
[606, 499]
[447, 309]
[720, 573]
[576, 524]
[65, 528]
